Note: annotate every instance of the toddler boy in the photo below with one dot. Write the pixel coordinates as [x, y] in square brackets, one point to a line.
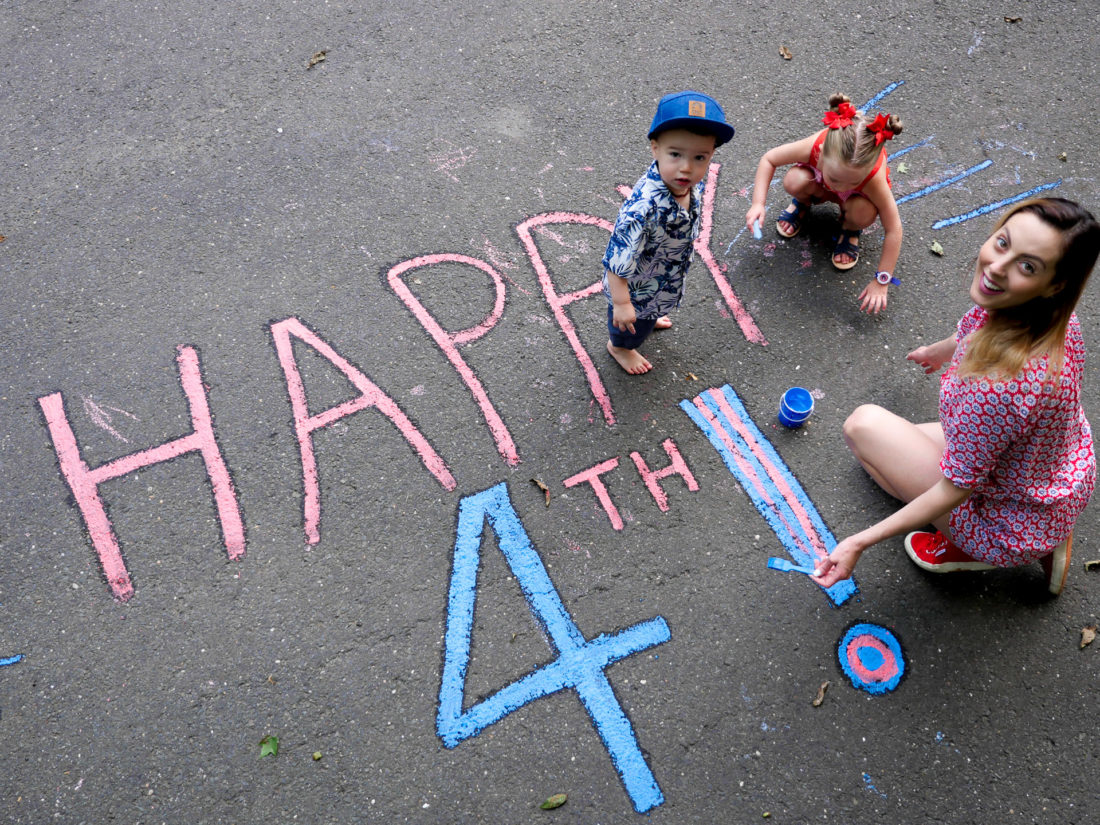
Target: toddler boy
[651, 245]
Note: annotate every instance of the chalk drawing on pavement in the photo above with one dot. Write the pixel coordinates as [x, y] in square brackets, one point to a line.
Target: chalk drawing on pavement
[449, 342]
[652, 478]
[11, 660]
[579, 666]
[769, 483]
[305, 424]
[85, 482]
[985, 209]
[871, 658]
[101, 417]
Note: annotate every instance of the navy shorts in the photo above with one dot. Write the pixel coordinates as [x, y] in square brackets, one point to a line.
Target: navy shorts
[642, 328]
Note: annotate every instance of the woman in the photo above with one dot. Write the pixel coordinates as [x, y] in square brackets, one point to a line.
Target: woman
[1005, 472]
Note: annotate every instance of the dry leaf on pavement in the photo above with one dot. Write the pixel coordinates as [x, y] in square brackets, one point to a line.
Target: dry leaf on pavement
[1087, 635]
[544, 488]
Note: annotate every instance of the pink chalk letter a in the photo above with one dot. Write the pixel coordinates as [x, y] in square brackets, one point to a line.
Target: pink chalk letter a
[305, 424]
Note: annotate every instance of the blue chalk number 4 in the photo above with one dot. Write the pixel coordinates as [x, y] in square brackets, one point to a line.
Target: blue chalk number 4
[580, 663]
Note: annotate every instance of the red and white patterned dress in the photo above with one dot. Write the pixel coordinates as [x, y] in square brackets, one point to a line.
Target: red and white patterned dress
[1023, 446]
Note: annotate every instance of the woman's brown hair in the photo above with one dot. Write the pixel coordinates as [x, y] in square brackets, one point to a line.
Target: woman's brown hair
[1011, 337]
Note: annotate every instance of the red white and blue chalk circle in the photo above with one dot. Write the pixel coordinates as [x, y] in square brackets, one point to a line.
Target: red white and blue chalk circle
[871, 657]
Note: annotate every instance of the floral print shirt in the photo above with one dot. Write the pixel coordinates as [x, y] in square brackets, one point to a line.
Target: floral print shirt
[1023, 446]
[651, 246]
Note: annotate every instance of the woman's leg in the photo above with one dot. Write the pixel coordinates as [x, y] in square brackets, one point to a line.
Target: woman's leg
[902, 457]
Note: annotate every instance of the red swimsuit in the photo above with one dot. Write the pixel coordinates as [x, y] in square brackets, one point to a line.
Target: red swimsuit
[832, 194]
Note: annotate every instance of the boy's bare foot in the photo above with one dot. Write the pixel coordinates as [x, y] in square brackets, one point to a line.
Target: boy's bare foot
[629, 359]
[664, 322]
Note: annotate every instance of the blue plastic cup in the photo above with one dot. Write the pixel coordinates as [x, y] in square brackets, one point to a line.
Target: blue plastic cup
[795, 407]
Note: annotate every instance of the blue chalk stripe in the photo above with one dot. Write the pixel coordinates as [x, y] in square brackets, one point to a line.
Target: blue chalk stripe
[874, 101]
[990, 207]
[908, 149]
[928, 190]
[11, 660]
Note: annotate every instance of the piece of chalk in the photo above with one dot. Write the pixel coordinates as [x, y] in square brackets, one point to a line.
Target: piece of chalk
[776, 563]
[756, 231]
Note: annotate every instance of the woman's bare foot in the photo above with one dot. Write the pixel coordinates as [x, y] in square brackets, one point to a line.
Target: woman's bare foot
[629, 359]
[664, 322]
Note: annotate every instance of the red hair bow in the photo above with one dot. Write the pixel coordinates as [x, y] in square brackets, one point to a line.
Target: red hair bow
[843, 116]
[881, 131]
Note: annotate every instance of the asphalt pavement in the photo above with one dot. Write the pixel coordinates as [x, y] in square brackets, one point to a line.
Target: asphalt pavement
[324, 503]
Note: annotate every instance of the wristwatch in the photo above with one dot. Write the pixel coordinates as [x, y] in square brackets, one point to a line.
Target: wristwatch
[886, 278]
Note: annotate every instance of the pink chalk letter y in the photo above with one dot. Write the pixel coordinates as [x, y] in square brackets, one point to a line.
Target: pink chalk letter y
[84, 482]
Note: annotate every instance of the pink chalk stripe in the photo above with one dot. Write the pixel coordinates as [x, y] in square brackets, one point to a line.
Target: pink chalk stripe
[702, 246]
[749, 471]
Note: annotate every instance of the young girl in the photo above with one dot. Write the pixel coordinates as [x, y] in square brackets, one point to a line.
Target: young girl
[1008, 468]
[844, 163]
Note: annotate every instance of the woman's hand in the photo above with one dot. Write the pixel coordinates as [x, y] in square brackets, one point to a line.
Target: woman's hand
[839, 564]
[930, 358]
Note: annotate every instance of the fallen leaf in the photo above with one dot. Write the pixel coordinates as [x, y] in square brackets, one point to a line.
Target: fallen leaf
[555, 801]
[821, 694]
[1088, 634]
[1092, 565]
[1061, 156]
[269, 746]
[317, 756]
[2, 239]
[317, 58]
[785, 53]
[1013, 19]
[903, 168]
[936, 248]
[691, 377]
[544, 488]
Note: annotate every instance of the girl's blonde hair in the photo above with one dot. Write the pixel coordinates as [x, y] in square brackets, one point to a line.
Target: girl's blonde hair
[854, 145]
[1012, 337]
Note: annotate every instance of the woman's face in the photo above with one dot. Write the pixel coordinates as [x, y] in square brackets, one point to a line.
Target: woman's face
[1017, 263]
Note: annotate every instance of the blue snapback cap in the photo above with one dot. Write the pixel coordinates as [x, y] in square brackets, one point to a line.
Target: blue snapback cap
[691, 110]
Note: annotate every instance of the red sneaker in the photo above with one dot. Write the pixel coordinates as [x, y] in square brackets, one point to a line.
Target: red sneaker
[1056, 565]
[932, 551]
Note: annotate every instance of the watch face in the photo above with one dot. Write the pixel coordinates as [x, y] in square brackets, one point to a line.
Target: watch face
[882, 277]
